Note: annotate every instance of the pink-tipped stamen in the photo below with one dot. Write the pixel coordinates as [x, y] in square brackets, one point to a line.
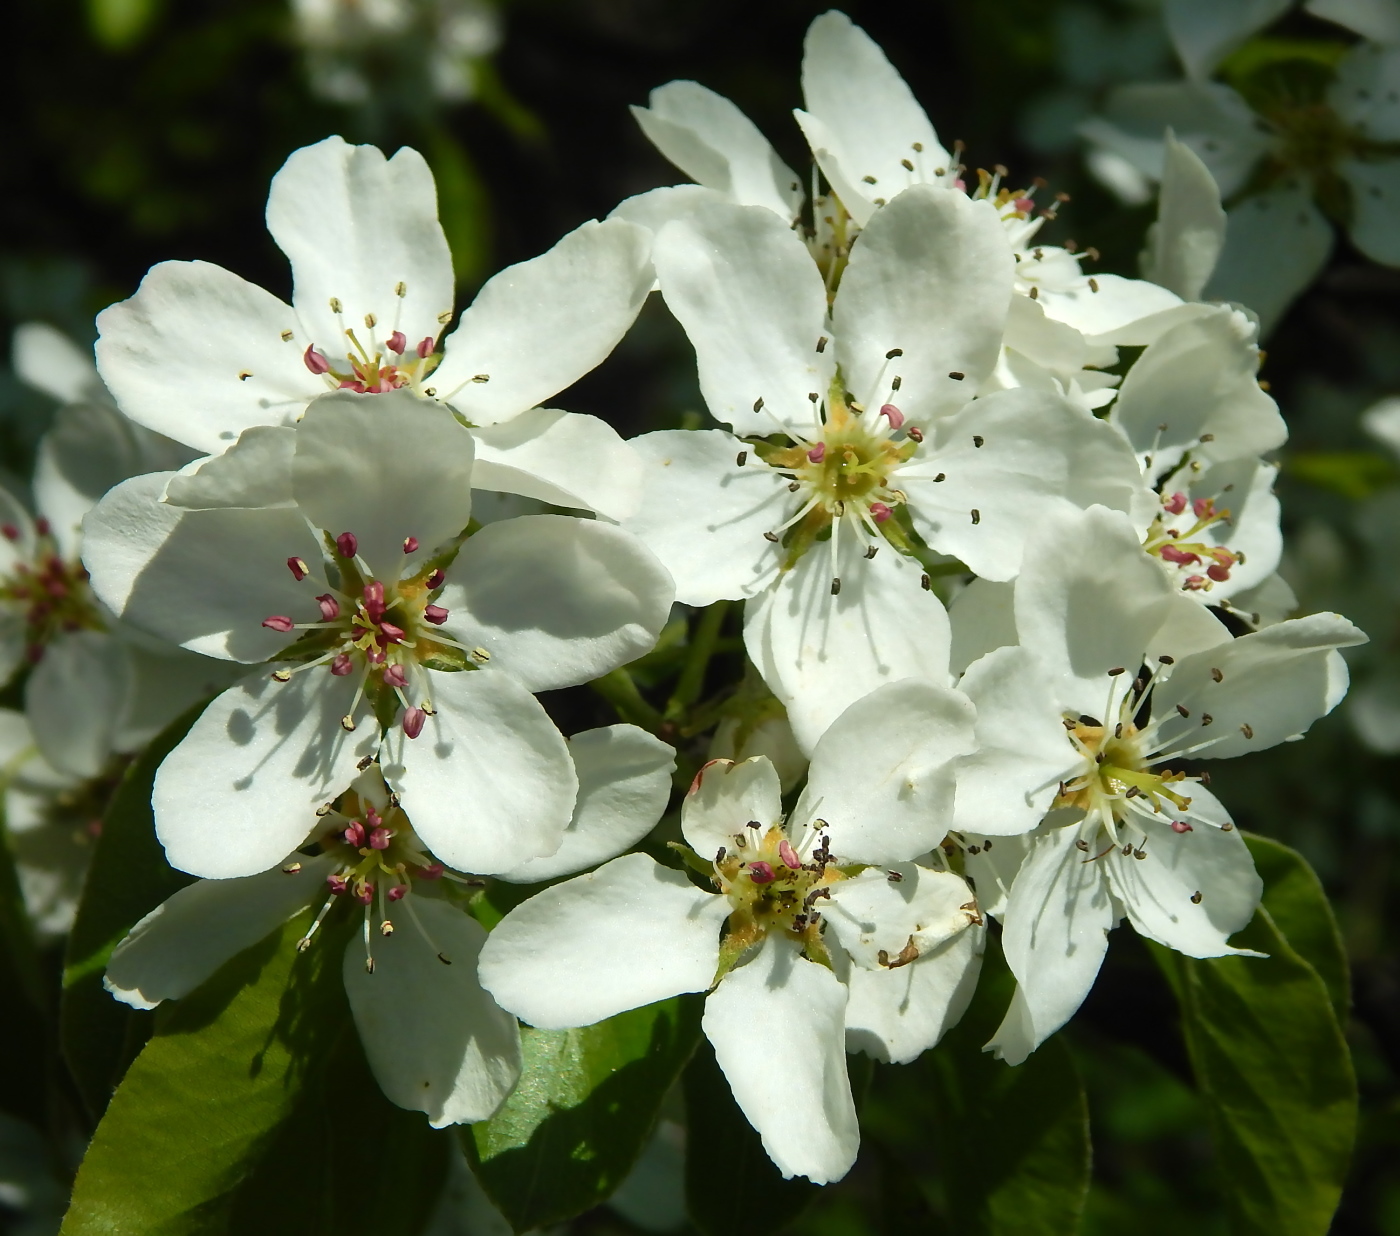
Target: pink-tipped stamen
[374, 600]
[379, 839]
[298, 569]
[315, 361]
[279, 622]
[341, 664]
[817, 453]
[431, 871]
[789, 855]
[395, 635]
[436, 579]
[347, 544]
[761, 873]
[396, 893]
[354, 834]
[1176, 503]
[413, 720]
[435, 614]
[397, 343]
[330, 607]
[425, 347]
[394, 676]
[410, 543]
[880, 512]
[9, 531]
[895, 416]
[1181, 826]
[1180, 556]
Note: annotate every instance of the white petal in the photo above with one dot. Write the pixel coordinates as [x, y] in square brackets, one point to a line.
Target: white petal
[882, 775]
[868, 118]
[48, 360]
[75, 697]
[753, 303]
[1204, 32]
[354, 226]
[164, 682]
[741, 738]
[539, 326]
[489, 745]
[1244, 487]
[631, 933]
[930, 275]
[820, 653]
[689, 476]
[897, 1015]
[777, 1024]
[991, 865]
[256, 471]
[1016, 457]
[655, 208]
[1185, 242]
[436, 1042]
[1112, 309]
[385, 467]
[1091, 611]
[624, 781]
[1193, 890]
[1273, 684]
[1054, 934]
[201, 579]
[982, 617]
[722, 800]
[715, 144]
[1021, 754]
[1376, 20]
[872, 914]
[242, 788]
[187, 937]
[1366, 92]
[556, 600]
[1375, 198]
[1207, 116]
[561, 458]
[173, 354]
[89, 448]
[1276, 243]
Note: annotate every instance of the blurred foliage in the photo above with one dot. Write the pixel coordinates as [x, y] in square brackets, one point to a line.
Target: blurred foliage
[150, 131]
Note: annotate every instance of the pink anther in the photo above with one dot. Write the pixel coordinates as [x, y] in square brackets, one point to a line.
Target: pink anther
[435, 614]
[916, 433]
[394, 676]
[960, 183]
[1181, 826]
[817, 453]
[374, 654]
[364, 894]
[9, 531]
[354, 834]
[413, 719]
[896, 417]
[341, 664]
[396, 893]
[879, 512]
[314, 360]
[374, 600]
[1024, 205]
[431, 871]
[374, 818]
[42, 526]
[761, 873]
[436, 579]
[789, 855]
[426, 346]
[1203, 508]
[379, 839]
[337, 882]
[347, 544]
[1181, 557]
[1176, 503]
[279, 622]
[1194, 583]
[330, 607]
[391, 633]
[1218, 573]
[298, 569]
[397, 343]
[410, 543]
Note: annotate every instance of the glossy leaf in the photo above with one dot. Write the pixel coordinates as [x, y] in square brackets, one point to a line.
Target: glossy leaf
[1295, 899]
[1001, 1149]
[128, 878]
[731, 1185]
[199, 1106]
[1271, 1061]
[587, 1099]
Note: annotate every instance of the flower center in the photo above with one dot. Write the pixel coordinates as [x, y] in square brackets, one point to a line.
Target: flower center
[1199, 566]
[844, 475]
[392, 364]
[386, 632]
[1116, 769]
[53, 594]
[771, 888]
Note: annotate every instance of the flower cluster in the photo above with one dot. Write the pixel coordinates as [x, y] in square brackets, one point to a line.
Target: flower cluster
[1003, 529]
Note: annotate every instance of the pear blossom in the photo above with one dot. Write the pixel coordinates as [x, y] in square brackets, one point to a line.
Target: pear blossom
[881, 441]
[392, 632]
[435, 1040]
[1081, 729]
[816, 934]
[203, 356]
[1284, 169]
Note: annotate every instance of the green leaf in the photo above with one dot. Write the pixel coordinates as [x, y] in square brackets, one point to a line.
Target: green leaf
[199, 1105]
[1298, 905]
[463, 205]
[1009, 1146]
[128, 878]
[1270, 1059]
[586, 1102]
[1353, 474]
[119, 24]
[732, 1187]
